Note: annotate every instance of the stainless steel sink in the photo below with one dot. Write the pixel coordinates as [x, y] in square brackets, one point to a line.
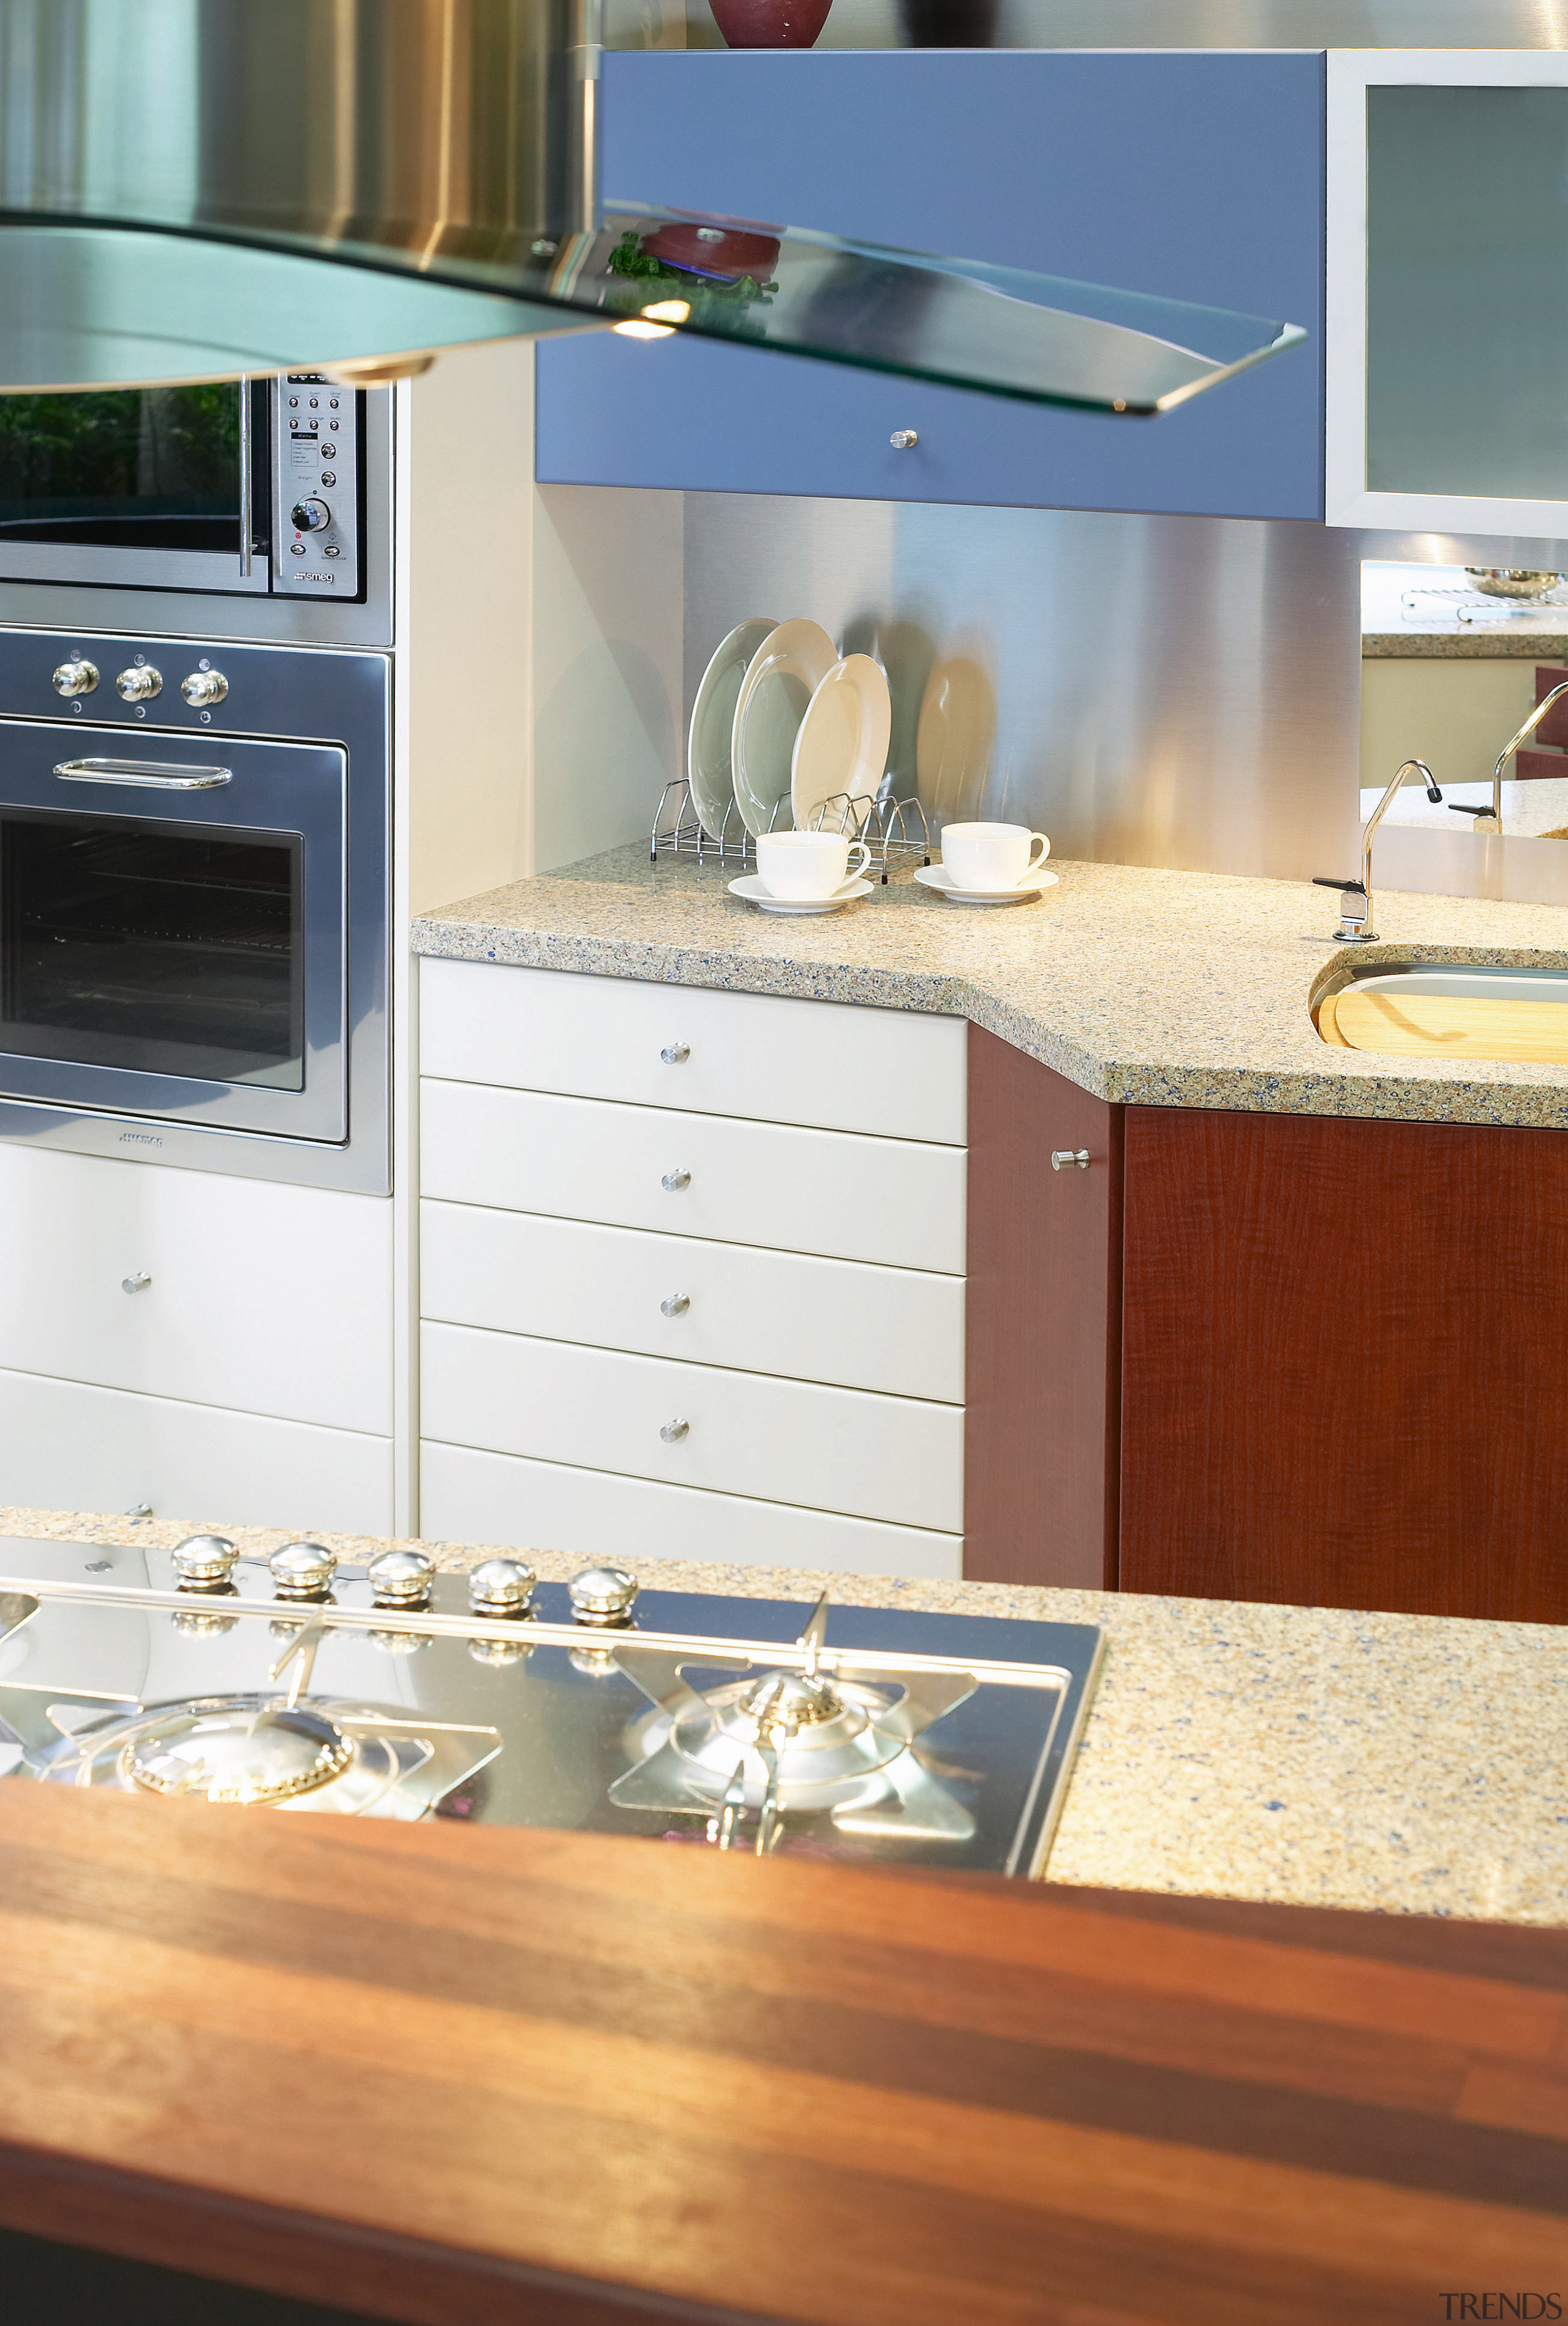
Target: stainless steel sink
[1456, 1010]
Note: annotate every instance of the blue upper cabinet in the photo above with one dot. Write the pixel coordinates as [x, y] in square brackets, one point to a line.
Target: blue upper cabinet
[1193, 174]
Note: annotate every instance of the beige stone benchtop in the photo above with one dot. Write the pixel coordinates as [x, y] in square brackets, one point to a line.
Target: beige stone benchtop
[1494, 642]
[1404, 1764]
[1159, 989]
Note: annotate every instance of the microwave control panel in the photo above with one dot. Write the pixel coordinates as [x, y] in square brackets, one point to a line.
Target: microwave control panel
[315, 463]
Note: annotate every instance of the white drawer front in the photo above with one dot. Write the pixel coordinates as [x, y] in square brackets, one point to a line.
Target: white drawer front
[819, 1190]
[497, 1498]
[830, 1064]
[262, 1298]
[783, 1441]
[66, 1446]
[896, 1329]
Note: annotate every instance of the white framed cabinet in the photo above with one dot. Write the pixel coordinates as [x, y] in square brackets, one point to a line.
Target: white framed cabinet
[1446, 317]
[691, 1272]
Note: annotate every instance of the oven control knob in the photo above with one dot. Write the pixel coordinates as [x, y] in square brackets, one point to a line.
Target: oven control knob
[402, 1578]
[311, 516]
[140, 684]
[602, 1596]
[202, 687]
[501, 1587]
[76, 678]
[204, 1562]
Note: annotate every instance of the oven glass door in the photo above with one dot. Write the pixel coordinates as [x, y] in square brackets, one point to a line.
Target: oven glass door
[143, 486]
[172, 932]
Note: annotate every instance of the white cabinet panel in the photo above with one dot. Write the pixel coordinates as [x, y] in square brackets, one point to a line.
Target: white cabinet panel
[894, 1329]
[65, 1446]
[829, 1064]
[496, 1498]
[887, 1200]
[877, 1458]
[269, 1299]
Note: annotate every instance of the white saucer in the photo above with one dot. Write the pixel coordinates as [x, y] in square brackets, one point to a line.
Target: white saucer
[937, 876]
[749, 887]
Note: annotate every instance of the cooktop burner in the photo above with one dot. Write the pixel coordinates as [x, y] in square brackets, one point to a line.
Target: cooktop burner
[308, 1686]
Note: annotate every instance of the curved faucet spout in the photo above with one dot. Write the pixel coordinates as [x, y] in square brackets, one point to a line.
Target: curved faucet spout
[1512, 745]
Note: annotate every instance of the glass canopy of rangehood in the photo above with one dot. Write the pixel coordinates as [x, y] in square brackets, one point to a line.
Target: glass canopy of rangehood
[203, 189]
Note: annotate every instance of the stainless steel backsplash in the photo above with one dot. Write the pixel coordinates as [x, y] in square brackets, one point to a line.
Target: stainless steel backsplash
[1149, 690]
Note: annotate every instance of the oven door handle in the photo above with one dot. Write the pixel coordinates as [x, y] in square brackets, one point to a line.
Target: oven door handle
[151, 775]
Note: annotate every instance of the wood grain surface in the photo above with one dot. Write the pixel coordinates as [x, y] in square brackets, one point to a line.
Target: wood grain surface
[1345, 1363]
[458, 2078]
[1041, 1325]
[1449, 1025]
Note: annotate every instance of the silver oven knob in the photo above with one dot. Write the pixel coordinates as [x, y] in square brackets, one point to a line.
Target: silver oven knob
[76, 678]
[202, 687]
[602, 1596]
[501, 1587]
[311, 516]
[302, 1571]
[402, 1578]
[140, 684]
[204, 1562]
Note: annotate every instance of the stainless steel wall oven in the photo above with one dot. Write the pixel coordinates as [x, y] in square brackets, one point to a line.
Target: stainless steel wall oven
[194, 903]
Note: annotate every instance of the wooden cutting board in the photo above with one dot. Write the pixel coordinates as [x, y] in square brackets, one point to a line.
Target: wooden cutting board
[501, 2078]
[1437, 1025]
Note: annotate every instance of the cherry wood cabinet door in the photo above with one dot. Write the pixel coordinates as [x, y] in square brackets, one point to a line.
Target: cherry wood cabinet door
[1345, 1363]
[1041, 1362]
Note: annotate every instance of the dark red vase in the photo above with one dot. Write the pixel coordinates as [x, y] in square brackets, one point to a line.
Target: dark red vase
[770, 24]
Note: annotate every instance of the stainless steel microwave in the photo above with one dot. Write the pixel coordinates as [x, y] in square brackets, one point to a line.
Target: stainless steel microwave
[247, 488]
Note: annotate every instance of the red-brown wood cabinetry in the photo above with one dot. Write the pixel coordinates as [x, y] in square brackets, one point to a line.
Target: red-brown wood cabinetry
[1299, 1358]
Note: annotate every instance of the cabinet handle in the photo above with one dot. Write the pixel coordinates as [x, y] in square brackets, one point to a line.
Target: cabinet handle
[675, 1306]
[675, 1054]
[904, 439]
[673, 1181]
[672, 1430]
[140, 1510]
[1064, 1157]
[137, 1283]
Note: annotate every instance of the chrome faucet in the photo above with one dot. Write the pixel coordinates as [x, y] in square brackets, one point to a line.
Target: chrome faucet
[1507, 753]
[1355, 895]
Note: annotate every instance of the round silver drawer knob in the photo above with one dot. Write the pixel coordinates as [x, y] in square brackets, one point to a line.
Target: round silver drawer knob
[675, 1306]
[501, 1587]
[904, 439]
[137, 1283]
[302, 1571]
[204, 1562]
[602, 1598]
[402, 1578]
[673, 1181]
[1066, 1158]
[675, 1054]
[674, 1431]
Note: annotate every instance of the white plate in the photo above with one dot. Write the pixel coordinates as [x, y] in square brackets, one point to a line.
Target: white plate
[843, 742]
[936, 876]
[749, 887]
[707, 769]
[784, 673]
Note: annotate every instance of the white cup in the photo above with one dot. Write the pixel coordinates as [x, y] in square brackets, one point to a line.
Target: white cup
[992, 855]
[807, 866]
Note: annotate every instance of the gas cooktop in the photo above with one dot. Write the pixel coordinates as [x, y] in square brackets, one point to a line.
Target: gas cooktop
[390, 1690]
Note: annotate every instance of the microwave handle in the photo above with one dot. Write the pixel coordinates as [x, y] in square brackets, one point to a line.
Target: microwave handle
[245, 478]
[149, 773]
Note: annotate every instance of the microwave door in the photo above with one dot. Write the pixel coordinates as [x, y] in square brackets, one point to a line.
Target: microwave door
[162, 488]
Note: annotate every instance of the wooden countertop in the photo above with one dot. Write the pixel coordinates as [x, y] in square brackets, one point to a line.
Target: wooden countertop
[461, 2077]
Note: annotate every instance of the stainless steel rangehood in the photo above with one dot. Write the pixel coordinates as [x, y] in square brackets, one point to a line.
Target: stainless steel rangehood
[201, 189]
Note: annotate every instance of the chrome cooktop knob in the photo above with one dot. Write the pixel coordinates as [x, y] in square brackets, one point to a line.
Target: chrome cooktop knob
[204, 1562]
[140, 684]
[311, 516]
[501, 1587]
[76, 677]
[402, 1578]
[602, 1596]
[302, 1571]
[203, 687]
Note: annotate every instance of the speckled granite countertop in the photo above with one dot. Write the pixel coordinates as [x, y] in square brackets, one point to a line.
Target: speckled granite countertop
[1159, 989]
[1405, 1764]
[1468, 643]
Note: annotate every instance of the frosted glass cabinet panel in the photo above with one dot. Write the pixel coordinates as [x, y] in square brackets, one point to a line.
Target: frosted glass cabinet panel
[1448, 291]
